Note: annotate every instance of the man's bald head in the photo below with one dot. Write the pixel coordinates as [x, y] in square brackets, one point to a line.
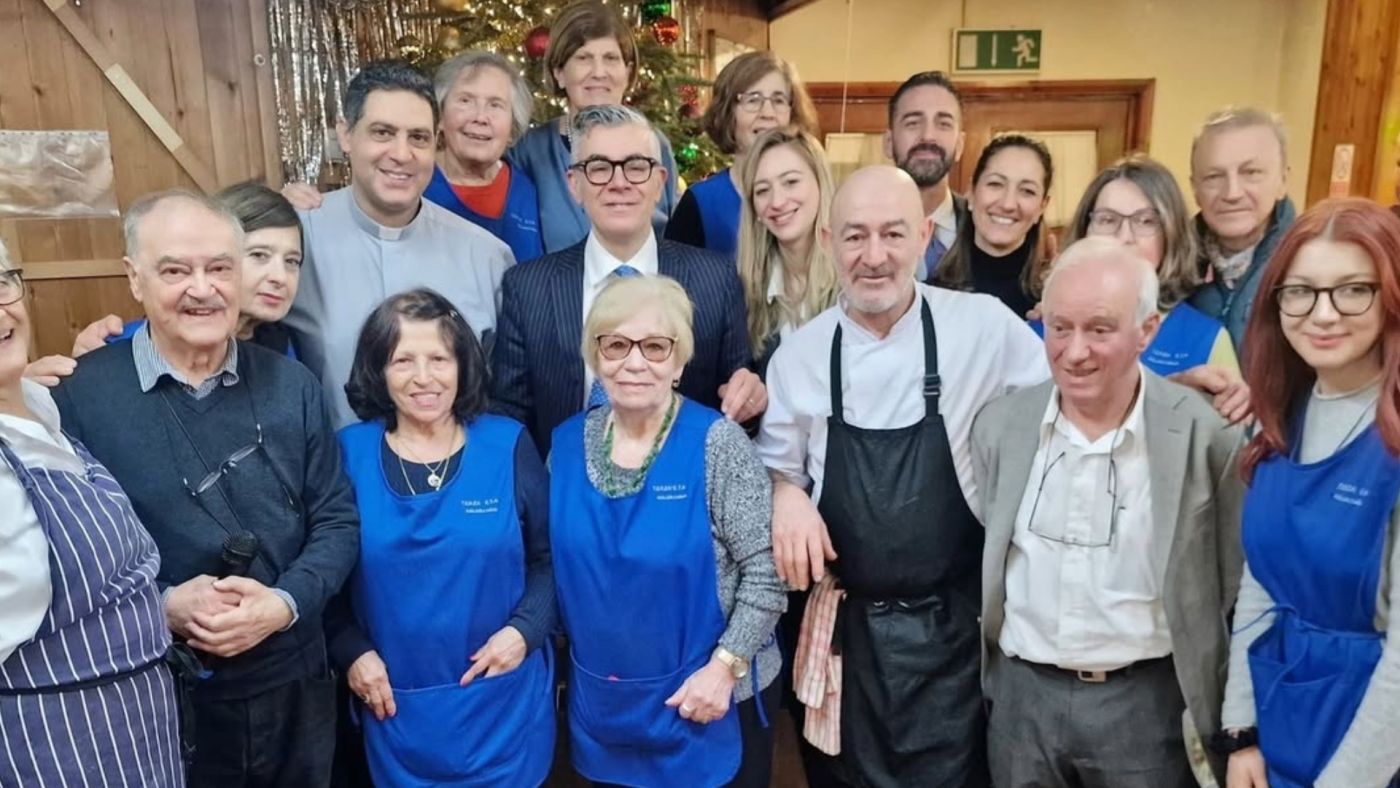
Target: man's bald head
[878, 234]
[872, 183]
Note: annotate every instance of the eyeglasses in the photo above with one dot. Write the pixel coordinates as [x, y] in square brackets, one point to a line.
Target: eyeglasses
[11, 286]
[599, 171]
[1350, 299]
[616, 347]
[1144, 223]
[1111, 491]
[753, 101]
[227, 465]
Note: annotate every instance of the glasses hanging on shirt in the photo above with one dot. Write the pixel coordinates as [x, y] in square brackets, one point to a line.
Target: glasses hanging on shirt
[1057, 532]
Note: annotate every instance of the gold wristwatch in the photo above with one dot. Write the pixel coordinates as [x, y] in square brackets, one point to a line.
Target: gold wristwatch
[738, 667]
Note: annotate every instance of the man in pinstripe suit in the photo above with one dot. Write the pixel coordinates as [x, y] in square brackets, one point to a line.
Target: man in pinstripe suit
[539, 376]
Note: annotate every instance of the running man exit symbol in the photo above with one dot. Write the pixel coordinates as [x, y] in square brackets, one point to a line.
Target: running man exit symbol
[1017, 51]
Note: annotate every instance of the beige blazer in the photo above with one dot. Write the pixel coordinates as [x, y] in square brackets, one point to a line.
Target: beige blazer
[1197, 495]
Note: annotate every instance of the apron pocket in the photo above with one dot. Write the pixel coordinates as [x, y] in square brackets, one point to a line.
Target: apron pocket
[629, 712]
[447, 733]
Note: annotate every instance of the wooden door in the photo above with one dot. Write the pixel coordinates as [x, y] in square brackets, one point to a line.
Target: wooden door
[1117, 113]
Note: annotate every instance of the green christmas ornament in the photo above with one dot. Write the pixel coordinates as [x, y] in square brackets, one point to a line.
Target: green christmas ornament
[688, 154]
[653, 10]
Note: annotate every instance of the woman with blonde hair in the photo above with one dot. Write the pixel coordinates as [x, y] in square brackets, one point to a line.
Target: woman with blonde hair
[754, 93]
[787, 272]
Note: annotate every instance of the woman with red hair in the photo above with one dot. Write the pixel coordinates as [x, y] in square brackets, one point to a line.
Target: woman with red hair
[1313, 696]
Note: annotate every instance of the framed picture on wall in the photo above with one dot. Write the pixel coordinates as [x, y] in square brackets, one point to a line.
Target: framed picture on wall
[719, 51]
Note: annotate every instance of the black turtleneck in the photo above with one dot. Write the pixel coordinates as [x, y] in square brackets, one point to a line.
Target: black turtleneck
[1001, 276]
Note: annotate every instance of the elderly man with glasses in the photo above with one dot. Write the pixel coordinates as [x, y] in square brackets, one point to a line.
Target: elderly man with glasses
[539, 376]
[1111, 500]
[227, 453]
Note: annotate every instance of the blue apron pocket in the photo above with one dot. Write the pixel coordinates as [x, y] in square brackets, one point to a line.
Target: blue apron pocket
[1308, 684]
[449, 734]
[630, 712]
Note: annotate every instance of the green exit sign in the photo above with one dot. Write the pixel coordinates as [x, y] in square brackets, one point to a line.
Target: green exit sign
[996, 50]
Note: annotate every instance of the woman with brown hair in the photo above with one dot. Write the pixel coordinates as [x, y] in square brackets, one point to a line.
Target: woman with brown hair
[754, 93]
[591, 60]
[1313, 696]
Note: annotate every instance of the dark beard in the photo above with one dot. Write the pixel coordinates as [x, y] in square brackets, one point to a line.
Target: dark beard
[927, 173]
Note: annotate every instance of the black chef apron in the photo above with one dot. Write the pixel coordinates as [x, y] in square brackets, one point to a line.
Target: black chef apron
[910, 555]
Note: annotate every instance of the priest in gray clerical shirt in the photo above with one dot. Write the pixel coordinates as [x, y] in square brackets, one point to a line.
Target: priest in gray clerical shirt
[378, 236]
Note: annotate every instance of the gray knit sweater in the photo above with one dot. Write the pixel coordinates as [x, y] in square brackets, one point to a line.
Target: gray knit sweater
[740, 499]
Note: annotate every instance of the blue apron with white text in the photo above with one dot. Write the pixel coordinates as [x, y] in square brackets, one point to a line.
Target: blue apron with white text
[439, 573]
[637, 595]
[1314, 535]
[518, 225]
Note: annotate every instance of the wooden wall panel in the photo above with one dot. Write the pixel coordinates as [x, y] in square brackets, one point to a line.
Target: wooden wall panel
[202, 64]
[1358, 58]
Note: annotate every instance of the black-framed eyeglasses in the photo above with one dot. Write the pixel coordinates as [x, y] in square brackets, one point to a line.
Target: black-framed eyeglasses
[599, 171]
[1112, 491]
[11, 286]
[753, 101]
[616, 347]
[1145, 223]
[1350, 299]
[227, 465]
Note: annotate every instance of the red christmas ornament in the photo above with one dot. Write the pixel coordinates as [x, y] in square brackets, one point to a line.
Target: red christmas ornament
[666, 30]
[537, 41]
[689, 93]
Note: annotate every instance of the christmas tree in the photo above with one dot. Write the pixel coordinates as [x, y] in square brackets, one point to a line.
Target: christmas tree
[668, 85]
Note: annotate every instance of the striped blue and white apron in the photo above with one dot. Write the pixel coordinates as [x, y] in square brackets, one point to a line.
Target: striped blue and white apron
[89, 701]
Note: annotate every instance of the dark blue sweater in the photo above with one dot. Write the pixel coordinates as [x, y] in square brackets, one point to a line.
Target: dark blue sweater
[293, 494]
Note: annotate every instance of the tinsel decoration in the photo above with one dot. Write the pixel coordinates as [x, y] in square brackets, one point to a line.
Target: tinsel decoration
[454, 6]
[449, 40]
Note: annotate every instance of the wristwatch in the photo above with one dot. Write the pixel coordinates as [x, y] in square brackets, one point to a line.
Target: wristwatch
[1230, 742]
[738, 667]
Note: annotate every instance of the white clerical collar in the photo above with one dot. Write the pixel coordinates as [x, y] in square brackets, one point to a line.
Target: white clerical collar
[382, 232]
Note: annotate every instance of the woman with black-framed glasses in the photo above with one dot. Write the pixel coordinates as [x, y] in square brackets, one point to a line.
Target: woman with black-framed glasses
[659, 512]
[77, 567]
[755, 92]
[445, 644]
[1313, 696]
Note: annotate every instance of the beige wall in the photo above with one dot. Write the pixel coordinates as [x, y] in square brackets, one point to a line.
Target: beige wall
[1204, 54]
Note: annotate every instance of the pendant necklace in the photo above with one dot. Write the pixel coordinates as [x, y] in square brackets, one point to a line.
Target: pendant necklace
[437, 472]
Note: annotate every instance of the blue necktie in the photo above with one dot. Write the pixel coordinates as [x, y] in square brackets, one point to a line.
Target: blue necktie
[596, 395]
[935, 253]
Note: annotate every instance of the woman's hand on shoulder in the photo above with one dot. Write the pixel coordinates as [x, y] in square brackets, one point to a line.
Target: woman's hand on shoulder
[1229, 394]
[369, 680]
[503, 652]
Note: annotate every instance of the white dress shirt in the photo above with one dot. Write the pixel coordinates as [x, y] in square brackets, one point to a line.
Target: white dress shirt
[25, 590]
[598, 265]
[1084, 592]
[777, 287]
[984, 351]
[945, 230]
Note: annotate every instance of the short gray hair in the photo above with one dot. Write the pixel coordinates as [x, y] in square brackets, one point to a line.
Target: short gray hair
[138, 210]
[1094, 248]
[522, 101]
[1233, 117]
[608, 116]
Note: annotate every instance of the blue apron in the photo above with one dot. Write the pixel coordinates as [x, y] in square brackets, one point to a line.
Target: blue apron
[1314, 535]
[439, 573]
[719, 205]
[518, 225]
[1184, 341]
[637, 594]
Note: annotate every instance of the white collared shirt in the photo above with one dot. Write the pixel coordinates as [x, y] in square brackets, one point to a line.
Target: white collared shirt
[598, 265]
[984, 351]
[25, 589]
[1095, 604]
[777, 287]
[945, 231]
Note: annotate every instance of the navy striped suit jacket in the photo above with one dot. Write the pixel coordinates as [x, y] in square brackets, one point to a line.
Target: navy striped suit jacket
[537, 372]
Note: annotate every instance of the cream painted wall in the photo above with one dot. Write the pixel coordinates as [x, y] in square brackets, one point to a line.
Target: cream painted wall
[1204, 54]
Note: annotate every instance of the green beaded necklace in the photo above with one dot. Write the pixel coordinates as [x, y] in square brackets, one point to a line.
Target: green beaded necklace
[610, 485]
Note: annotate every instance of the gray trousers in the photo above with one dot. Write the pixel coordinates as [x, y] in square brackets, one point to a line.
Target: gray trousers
[1048, 729]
